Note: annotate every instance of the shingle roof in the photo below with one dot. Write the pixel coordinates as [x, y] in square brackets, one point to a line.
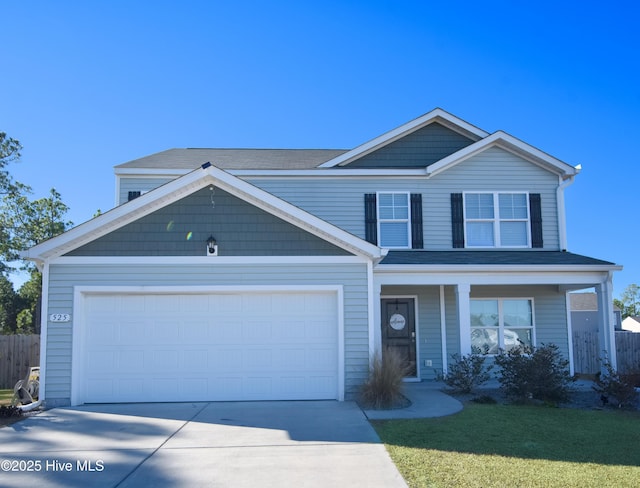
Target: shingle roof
[497, 258]
[191, 158]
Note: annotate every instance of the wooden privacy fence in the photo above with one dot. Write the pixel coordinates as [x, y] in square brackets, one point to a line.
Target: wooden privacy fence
[628, 351]
[17, 354]
[587, 352]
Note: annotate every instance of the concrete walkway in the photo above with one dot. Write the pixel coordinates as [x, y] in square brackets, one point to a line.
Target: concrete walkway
[426, 401]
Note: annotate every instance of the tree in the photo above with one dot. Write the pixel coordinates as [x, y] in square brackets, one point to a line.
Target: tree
[28, 319]
[9, 152]
[629, 302]
[23, 223]
[9, 303]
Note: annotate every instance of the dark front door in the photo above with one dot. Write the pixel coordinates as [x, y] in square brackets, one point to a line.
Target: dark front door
[399, 330]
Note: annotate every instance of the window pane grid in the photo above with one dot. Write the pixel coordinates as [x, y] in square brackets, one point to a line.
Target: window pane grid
[504, 323]
[394, 220]
[496, 219]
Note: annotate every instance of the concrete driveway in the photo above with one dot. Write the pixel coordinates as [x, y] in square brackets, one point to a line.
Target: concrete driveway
[236, 444]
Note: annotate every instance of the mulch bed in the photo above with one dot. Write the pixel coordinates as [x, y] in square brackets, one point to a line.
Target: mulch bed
[585, 399]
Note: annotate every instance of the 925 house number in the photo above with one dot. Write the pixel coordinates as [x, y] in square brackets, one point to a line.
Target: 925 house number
[59, 317]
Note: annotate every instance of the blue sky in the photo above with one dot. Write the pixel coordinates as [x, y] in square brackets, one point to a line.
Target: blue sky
[88, 85]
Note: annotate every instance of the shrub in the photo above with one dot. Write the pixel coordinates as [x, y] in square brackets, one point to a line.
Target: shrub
[467, 372]
[384, 387]
[530, 373]
[616, 388]
[485, 400]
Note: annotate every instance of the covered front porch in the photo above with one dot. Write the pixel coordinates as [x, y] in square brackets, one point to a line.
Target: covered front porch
[428, 309]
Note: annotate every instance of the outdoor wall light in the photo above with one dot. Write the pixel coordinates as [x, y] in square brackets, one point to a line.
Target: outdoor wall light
[212, 246]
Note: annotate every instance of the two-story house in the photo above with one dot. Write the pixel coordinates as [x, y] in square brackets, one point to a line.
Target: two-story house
[249, 274]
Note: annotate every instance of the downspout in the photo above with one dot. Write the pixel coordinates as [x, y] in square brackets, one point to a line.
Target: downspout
[562, 219]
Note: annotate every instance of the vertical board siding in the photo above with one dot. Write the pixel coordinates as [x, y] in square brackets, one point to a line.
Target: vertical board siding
[353, 278]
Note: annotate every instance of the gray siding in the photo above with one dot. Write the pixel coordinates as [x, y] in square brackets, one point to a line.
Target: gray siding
[416, 150]
[63, 278]
[139, 183]
[340, 201]
[182, 229]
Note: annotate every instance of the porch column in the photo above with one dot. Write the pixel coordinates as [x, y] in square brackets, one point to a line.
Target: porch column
[606, 320]
[464, 317]
[375, 340]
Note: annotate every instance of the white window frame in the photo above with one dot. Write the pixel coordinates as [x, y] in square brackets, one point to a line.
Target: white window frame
[501, 327]
[496, 220]
[407, 221]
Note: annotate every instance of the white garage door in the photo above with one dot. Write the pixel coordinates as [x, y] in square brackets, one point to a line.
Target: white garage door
[220, 346]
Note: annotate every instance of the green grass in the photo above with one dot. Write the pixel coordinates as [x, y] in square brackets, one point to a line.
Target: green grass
[517, 446]
[6, 396]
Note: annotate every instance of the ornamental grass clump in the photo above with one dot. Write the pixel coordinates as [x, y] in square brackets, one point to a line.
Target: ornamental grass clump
[384, 386]
[529, 373]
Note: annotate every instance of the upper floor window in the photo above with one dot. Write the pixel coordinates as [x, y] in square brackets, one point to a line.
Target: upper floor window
[496, 219]
[394, 220]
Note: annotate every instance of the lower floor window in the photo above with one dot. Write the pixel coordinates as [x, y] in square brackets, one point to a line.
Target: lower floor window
[502, 323]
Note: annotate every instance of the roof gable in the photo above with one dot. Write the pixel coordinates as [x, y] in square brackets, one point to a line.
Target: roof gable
[207, 175]
[436, 116]
[418, 149]
[508, 143]
[182, 228]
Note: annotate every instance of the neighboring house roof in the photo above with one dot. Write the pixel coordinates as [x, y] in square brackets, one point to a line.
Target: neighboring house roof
[583, 302]
[184, 186]
[493, 258]
[631, 324]
[235, 159]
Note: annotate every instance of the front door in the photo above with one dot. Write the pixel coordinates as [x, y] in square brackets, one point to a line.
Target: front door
[399, 330]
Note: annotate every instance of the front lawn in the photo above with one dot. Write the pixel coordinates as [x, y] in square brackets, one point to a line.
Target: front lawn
[513, 446]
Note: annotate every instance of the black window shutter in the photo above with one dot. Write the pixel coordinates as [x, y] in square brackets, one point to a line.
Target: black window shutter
[133, 194]
[535, 211]
[457, 220]
[416, 221]
[370, 218]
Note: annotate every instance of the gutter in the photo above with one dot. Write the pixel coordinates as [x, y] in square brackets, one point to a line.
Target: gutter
[562, 218]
